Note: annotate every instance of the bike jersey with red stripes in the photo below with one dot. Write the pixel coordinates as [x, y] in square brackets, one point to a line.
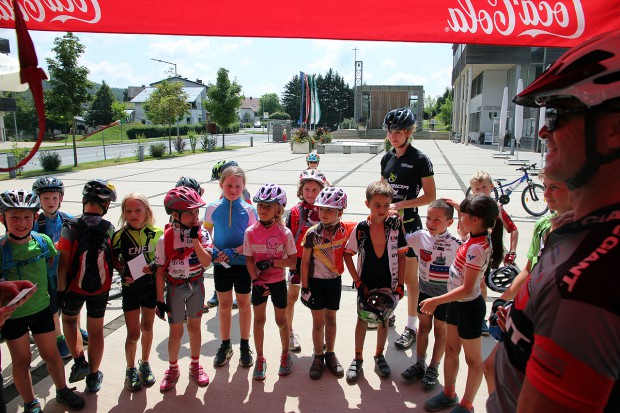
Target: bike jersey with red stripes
[563, 328]
[327, 249]
[475, 253]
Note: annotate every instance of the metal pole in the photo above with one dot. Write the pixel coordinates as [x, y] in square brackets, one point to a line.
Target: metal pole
[251, 141]
[103, 140]
[15, 123]
[10, 160]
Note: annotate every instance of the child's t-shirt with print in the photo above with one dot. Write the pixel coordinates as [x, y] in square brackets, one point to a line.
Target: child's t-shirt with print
[475, 253]
[190, 266]
[275, 242]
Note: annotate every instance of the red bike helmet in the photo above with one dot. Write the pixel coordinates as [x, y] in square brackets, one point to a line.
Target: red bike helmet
[182, 199]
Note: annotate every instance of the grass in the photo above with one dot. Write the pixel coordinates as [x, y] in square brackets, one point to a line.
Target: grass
[110, 162]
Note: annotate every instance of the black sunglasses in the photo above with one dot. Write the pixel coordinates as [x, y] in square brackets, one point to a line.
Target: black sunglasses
[552, 115]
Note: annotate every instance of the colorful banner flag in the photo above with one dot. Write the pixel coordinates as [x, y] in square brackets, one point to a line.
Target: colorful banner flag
[317, 106]
[302, 107]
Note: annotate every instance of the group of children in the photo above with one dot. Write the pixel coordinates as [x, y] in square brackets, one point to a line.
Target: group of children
[250, 245]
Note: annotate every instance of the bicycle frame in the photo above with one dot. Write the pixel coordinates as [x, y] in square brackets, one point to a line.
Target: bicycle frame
[507, 189]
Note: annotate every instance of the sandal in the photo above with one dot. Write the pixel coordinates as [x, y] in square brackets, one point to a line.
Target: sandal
[355, 370]
[381, 366]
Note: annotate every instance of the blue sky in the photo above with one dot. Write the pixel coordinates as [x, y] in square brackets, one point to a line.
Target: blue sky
[259, 65]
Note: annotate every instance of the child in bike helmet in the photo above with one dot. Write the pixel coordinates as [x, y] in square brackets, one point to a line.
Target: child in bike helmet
[25, 258]
[82, 281]
[136, 241]
[321, 281]
[269, 248]
[301, 217]
[181, 256]
[466, 308]
[312, 160]
[227, 219]
[378, 232]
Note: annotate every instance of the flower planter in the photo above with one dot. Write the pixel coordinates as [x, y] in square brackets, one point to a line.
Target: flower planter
[303, 147]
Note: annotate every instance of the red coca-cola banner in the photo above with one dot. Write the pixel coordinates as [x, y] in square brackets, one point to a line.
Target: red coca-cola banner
[509, 22]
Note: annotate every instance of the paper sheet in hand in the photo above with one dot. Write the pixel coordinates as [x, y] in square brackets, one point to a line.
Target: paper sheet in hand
[136, 266]
[20, 295]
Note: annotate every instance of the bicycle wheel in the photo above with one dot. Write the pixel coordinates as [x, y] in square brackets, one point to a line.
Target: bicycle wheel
[494, 194]
[533, 200]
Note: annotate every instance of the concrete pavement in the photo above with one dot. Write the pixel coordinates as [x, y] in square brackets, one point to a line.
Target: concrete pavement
[232, 386]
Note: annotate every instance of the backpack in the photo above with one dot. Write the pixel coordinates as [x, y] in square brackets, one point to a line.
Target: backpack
[42, 223]
[91, 257]
[171, 252]
[8, 262]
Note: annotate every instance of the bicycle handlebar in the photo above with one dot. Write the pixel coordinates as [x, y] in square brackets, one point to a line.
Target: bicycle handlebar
[526, 168]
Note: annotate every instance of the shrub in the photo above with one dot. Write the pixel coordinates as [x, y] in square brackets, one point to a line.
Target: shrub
[50, 160]
[179, 144]
[322, 135]
[193, 139]
[158, 150]
[280, 116]
[300, 135]
[19, 154]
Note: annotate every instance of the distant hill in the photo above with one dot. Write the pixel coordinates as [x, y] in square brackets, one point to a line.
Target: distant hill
[119, 93]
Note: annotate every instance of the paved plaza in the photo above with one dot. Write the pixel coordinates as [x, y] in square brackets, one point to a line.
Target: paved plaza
[232, 387]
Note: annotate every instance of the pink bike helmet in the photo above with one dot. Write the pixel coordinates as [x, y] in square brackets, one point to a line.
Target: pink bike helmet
[312, 175]
[182, 199]
[331, 197]
[271, 193]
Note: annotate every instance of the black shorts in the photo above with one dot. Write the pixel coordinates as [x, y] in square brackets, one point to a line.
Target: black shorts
[277, 292]
[409, 227]
[53, 301]
[237, 276]
[95, 304]
[467, 317]
[294, 275]
[441, 311]
[326, 293]
[38, 323]
[140, 294]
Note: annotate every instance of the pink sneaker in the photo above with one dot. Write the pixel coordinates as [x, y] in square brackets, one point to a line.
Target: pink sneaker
[171, 376]
[199, 375]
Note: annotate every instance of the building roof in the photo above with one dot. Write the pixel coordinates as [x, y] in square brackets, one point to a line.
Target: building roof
[193, 93]
[249, 103]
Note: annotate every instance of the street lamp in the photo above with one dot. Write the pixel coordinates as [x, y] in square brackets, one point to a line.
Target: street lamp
[175, 75]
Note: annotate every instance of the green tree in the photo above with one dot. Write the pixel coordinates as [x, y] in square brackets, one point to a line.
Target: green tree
[118, 113]
[223, 100]
[25, 115]
[291, 98]
[445, 111]
[166, 105]
[335, 98]
[270, 103]
[69, 84]
[101, 112]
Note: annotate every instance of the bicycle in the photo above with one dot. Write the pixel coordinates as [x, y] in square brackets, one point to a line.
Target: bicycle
[532, 198]
[455, 137]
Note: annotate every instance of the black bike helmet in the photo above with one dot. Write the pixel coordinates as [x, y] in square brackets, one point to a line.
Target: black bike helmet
[588, 77]
[500, 279]
[399, 119]
[190, 182]
[100, 191]
[19, 199]
[219, 167]
[48, 184]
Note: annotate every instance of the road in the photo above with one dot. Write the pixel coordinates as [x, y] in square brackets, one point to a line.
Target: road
[124, 150]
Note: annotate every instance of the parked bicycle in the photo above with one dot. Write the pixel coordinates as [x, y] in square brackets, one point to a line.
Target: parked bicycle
[455, 137]
[532, 198]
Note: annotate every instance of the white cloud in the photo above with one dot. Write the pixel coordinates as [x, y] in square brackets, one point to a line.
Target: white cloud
[388, 63]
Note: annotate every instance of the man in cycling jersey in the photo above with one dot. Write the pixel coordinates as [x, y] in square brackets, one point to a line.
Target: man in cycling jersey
[560, 352]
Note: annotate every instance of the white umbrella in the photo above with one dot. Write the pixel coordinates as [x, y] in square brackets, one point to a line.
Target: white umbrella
[9, 75]
[502, 119]
[518, 118]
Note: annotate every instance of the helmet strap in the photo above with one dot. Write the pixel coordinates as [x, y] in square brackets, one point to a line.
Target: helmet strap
[593, 159]
[269, 223]
[19, 238]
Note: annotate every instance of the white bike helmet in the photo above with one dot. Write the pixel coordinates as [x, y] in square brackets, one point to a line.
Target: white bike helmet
[271, 193]
[378, 307]
[332, 197]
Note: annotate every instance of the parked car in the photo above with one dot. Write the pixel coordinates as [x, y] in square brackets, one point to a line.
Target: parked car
[257, 124]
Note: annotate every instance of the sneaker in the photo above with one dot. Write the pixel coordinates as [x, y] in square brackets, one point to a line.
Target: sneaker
[286, 364]
[63, 349]
[235, 306]
[355, 370]
[205, 309]
[33, 407]
[132, 381]
[79, 371]
[440, 402]
[333, 364]
[485, 328]
[84, 336]
[316, 370]
[406, 339]
[392, 321]
[171, 376]
[224, 353]
[430, 377]
[199, 375]
[245, 358]
[381, 366]
[293, 343]
[145, 374]
[372, 326]
[260, 369]
[93, 382]
[415, 372]
[460, 409]
[213, 301]
[67, 396]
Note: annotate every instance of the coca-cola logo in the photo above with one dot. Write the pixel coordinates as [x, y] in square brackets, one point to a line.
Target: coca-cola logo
[519, 17]
[86, 11]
